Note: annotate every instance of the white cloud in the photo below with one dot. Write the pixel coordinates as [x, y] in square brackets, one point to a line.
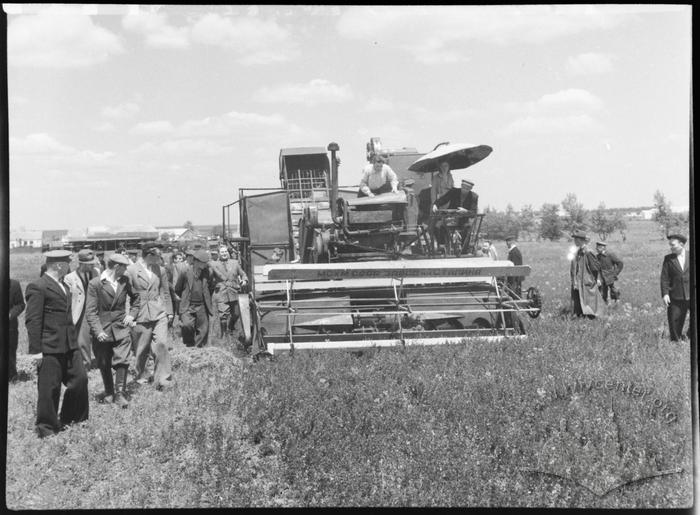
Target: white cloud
[156, 29]
[314, 92]
[59, 37]
[151, 128]
[123, 110]
[570, 99]
[47, 149]
[438, 34]
[553, 124]
[254, 40]
[589, 63]
[184, 147]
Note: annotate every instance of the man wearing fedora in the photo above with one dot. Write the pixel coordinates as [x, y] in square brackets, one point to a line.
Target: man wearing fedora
[675, 285]
[585, 280]
[464, 200]
[110, 324]
[195, 300]
[610, 268]
[78, 281]
[155, 309]
[53, 343]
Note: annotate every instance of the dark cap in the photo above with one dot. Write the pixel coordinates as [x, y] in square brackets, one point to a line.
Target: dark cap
[54, 256]
[86, 256]
[119, 258]
[189, 252]
[202, 255]
[601, 243]
[511, 237]
[132, 251]
[578, 233]
[148, 248]
[678, 237]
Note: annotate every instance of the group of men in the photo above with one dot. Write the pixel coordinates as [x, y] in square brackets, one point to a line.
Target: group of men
[113, 314]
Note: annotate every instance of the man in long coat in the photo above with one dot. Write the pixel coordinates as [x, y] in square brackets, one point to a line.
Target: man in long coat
[110, 324]
[675, 285]
[78, 281]
[585, 270]
[195, 300]
[52, 340]
[150, 335]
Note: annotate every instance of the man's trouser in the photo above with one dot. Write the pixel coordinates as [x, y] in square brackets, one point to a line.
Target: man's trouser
[385, 188]
[112, 354]
[84, 341]
[12, 357]
[66, 368]
[677, 311]
[195, 325]
[151, 338]
[609, 290]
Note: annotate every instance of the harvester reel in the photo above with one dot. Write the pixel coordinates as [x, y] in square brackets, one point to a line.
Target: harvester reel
[535, 298]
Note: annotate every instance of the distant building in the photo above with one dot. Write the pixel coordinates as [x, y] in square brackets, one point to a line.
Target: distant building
[54, 239]
[28, 239]
[111, 237]
[176, 234]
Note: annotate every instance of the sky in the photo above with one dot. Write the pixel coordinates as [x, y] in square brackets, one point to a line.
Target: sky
[155, 115]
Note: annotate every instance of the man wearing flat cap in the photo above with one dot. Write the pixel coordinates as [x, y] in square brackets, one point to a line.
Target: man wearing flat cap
[195, 300]
[78, 281]
[110, 325]
[465, 201]
[53, 342]
[675, 285]
[585, 271]
[150, 335]
[610, 268]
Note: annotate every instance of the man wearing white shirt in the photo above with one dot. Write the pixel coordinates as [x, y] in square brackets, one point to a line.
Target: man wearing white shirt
[378, 178]
[675, 285]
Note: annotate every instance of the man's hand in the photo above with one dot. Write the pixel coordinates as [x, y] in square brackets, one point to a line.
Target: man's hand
[461, 210]
[36, 358]
[102, 337]
[598, 283]
[129, 321]
[170, 317]
[667, 299]
[435, 208]
[370, 194]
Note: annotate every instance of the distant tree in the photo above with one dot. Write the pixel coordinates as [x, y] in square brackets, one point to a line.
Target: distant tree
[620, 224]
[575, 213]
[528, 221]
[497, 224]
[167, 236]
[512, 221]
[668, 221]
[602, 222]
[551, 223]
[188, 225]
[217, 231]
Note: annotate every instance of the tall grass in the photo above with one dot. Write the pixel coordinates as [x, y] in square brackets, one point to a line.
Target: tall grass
[477, 424]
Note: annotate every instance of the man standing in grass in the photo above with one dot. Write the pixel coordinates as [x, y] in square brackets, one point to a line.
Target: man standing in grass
[110, 324]
[195, 300]
[515, 257]
[610, 268]
[228, 276]
[17, 305]
[585, 270]
[78, 281]
[150, 335]
[53, 342]
[675, 285]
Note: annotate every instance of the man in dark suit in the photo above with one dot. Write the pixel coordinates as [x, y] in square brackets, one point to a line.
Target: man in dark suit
[515, 257]
[53, 341]
[195, 300]
[110, 324]
[610, 268]
[17, 305]
[227, 277]
[675, 285]
[465, 201]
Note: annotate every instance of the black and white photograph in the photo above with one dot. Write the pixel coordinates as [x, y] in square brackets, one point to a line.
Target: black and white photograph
[291, 256]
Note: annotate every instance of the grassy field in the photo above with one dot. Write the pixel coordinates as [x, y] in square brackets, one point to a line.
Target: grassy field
[581, 414]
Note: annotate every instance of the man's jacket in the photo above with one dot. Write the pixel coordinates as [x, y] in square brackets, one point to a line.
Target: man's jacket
[675, 281]
[106, 308]
[48, 318]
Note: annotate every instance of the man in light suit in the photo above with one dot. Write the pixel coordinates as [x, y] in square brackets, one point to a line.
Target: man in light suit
[78, 281]
[52, 341]
[150, 335]
[675, 285]
[109, 325]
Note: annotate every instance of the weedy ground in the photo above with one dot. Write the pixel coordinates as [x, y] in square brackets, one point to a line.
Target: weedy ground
[477, 424]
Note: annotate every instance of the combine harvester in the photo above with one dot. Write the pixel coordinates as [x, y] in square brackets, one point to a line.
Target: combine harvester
[330, 270]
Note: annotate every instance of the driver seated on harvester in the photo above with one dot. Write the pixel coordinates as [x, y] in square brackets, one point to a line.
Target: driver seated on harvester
[378, 178]
[462, 199]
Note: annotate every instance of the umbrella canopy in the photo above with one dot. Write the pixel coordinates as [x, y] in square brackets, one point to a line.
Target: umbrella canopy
[459, 155]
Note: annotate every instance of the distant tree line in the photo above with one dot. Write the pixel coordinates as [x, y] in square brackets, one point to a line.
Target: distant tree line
[552, 223]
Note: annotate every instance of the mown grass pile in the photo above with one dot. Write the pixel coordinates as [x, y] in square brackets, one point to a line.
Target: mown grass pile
[581, 414]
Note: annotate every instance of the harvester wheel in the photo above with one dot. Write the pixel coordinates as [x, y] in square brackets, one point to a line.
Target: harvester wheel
[535, 299]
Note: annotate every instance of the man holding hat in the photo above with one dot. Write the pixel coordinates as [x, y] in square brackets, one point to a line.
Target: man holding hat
[195, 300]
[464, 200]
[515, 257]
[150, 335]
[53, 342]
[585, 271]
[78, 281]
[675, 285]
[110, 324]
[378, 178]
[610, 268]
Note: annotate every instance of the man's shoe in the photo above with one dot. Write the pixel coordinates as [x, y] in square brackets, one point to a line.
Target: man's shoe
[165, 384]
[120, 396]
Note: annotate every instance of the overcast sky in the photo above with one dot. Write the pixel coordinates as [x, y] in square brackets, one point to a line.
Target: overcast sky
[158, 114]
